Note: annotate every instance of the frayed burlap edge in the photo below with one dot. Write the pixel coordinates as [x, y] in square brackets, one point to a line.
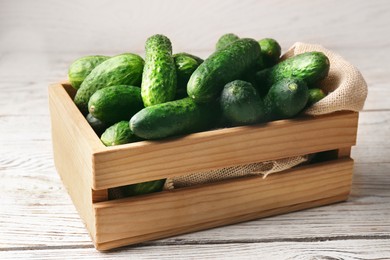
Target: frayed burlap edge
[260, 168]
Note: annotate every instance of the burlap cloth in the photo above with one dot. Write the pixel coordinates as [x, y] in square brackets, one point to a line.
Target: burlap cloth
[346, 90]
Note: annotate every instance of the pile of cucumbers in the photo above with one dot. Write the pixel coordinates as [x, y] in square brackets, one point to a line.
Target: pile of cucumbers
[126, 98]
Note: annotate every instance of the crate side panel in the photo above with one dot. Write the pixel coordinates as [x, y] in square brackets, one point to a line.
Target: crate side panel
[145, 161]
[261, 214]
[220, 204]
[78, 124]
[72, 156]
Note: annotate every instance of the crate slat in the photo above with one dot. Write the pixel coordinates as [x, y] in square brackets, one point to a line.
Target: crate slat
[72, 154]
[197, 208]
[151, 160]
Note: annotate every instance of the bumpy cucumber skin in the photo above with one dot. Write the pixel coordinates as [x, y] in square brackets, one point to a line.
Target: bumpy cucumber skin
[309, 67]
[97, 125]
[222, 67]
[286, 98]
[159, 74]
[117, 134]
[185, 64]
[225, 40]
[270, 51]
[124, 69]
[115, 103]
[174, 118]
[81, 68]
[241, 104]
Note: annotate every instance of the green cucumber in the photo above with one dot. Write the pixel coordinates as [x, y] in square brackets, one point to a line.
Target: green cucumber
[115, 103]
[81, 68]
[124, 69]
[117, 134]
[174, 118]
[222, 67]
[286, 98]
[97, 125]
[136, 189]
[241, 104]
[270, 51]
[144, 187]
[315, 95]
[225, 40]
[185, 64]
[309, 67]
[159, 74]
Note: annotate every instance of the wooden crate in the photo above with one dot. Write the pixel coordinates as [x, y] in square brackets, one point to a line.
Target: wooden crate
[88, 169]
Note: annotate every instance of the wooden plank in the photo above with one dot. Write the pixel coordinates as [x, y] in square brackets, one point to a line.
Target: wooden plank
[74, 121]
[68, 36]
[152, 160]
[175, 231]
[36, 212]
[72, 153]
[340, 248]
[372, 142]
[220, 204]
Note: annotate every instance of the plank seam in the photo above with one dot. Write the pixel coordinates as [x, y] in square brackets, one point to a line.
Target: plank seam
[179, 242]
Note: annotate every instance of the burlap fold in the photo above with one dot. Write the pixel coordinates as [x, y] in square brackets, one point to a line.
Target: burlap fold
[346, 90]
[345, 85]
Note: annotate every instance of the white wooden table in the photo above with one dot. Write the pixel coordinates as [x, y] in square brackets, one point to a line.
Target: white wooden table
[39, 39]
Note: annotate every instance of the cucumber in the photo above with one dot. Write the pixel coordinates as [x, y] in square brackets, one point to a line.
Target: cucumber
[309, 67]
[118, 133]
[222, 67]
[98, 126]
[185, 64]
[286, 98]
[225, 40]
[159, 75]
[115, 103]
[315, 95]
[270, 51]
[144, 187]
[124, 69]
[241, 104]
[136, 189]
[173, 118]
[81, 68]
[185, 55]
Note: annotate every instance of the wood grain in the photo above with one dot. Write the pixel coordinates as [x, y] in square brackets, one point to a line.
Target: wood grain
[81, 157]
[364, 248]
[50, 207]
[117, 26]
[37, 218]
[144, 161]
[203, 207]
